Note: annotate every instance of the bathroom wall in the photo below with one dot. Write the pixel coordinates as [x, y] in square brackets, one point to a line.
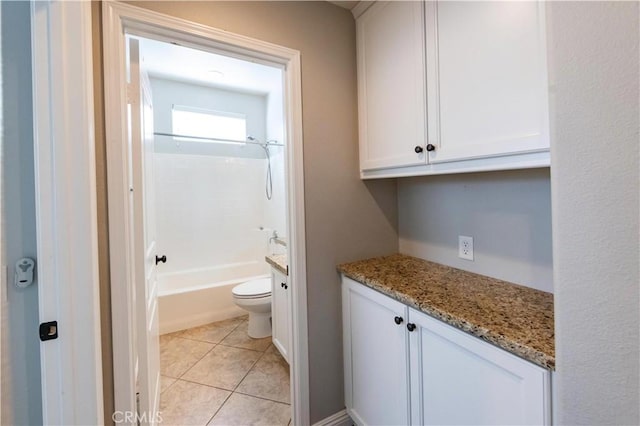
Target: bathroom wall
[210, 198]
[21, 386]
[276, 208]
[508, 214]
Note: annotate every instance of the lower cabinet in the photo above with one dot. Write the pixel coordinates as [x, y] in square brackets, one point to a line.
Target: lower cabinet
[403, 367]
[376, 355]
[280, 312]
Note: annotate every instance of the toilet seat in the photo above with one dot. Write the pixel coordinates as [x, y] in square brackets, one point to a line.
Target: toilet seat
[254, 289]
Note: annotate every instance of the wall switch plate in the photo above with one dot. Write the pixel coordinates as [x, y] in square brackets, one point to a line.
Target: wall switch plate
[465, 247]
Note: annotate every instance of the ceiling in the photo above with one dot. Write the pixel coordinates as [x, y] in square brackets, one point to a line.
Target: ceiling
[166, 60]
[345, 4]
[174, 62]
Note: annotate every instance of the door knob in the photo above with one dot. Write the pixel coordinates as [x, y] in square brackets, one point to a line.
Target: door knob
[431, 147]
[398, 320]
[162, 259]
[418, 149]
[411, 326]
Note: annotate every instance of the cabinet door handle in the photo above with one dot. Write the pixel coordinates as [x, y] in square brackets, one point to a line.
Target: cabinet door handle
[418, 149]
[398, 320]
[162, 259]
[431, 147]
[284, 285]
[411, 326]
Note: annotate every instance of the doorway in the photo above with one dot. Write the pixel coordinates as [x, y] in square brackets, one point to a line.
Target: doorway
[213, 203]
[268, 159]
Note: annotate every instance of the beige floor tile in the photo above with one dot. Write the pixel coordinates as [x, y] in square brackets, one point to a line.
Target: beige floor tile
[186, 403]
[269, 378]
[165, 382]
[247, 410]
[223, 367]
[212, 333]
[239, 338]
[177, 355]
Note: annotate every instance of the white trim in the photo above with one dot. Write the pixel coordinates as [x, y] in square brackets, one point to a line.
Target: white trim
[532, 160]
[3, 274]
[119, 18]
[66, 212]
[341, 418]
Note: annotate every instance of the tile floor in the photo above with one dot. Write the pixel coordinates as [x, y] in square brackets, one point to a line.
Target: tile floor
[217, 375]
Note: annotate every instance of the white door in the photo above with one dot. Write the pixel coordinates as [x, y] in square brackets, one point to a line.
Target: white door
[391, 85]
[487, 79]
[144, 236]
[457, 379]
[375, 356]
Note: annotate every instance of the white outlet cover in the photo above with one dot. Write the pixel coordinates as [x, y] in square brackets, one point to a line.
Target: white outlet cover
[465, 247]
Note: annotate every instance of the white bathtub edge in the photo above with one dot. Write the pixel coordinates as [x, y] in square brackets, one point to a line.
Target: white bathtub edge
[198, 319]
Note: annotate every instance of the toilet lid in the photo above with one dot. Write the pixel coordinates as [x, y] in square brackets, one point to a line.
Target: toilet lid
[253, 289]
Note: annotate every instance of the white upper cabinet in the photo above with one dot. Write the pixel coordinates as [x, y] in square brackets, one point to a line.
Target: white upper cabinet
[391, 85]
[487, 64]
[480, 86]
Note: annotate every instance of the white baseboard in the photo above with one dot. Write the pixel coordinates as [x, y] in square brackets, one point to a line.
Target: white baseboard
[341, 418]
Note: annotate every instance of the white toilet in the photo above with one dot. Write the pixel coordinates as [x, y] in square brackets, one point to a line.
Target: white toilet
[255, 297]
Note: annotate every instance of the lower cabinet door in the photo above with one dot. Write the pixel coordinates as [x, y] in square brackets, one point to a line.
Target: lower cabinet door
[458, 379]
[375, 355]
[280, 313]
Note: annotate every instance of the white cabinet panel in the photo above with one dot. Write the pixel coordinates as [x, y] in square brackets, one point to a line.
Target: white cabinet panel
[280, 313]
[487, 62]
[460, 380]
[467, 80]
[405, 367]
[391, 85]
[375, 351]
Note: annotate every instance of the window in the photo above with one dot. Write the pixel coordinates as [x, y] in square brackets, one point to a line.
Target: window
[204, 123]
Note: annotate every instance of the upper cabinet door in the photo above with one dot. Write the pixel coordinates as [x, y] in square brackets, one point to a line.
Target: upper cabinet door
[487, 79]
[391, 85]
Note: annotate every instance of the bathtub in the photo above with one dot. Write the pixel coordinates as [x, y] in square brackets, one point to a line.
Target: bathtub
[199, 296]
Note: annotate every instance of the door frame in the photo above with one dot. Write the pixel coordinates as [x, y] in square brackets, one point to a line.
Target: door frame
[120, 19]
[66, 211]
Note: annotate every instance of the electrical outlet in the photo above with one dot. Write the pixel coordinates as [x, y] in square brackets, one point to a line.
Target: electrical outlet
[465, 247]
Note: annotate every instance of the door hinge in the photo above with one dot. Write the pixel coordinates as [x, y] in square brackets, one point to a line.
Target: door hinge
[49, 330]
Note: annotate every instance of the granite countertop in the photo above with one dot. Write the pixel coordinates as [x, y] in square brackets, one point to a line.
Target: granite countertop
[515, 318]
[279, 262]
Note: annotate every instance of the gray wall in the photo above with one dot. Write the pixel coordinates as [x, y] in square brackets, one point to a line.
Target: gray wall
[346, 218]
[508, 214]
[594, 57]
[23, 350]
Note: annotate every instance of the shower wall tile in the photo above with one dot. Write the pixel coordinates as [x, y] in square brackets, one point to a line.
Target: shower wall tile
[209, 210]
[210, 198]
